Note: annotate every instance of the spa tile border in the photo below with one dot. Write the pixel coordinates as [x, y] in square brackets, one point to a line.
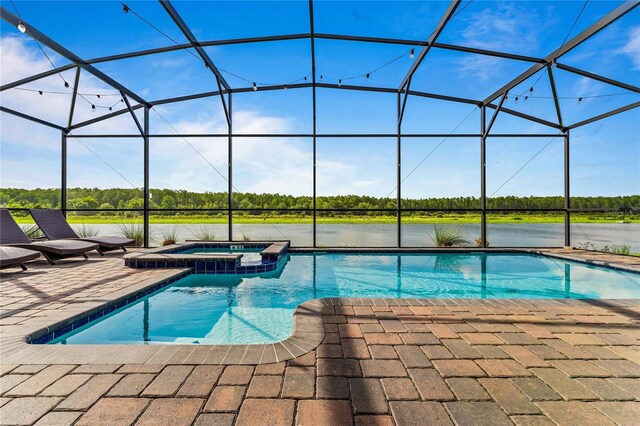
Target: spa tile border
[274, 256]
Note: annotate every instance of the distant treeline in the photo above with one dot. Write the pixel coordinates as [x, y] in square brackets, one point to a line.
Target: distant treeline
[118, 198]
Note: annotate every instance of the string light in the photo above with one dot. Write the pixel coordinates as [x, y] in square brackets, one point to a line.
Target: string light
[531, 89]
[40, 92]
[516, 100]
[66, 84]
[340, 82]
[285, 87]
[255, 88]
[424, 42]
[93, 108]
[525, 98]
[579, 101]
[22, 27]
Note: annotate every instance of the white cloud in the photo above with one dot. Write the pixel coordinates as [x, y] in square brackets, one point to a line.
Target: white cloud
[20, 59]
[274, 164]
[632, 47]
[504, 27]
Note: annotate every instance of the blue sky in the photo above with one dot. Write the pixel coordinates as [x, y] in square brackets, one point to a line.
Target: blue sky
[605, 155]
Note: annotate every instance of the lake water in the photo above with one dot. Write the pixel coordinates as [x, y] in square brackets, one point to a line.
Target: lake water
[413, 235]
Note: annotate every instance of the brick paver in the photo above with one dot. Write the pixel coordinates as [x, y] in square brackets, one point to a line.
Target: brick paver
[171, 411]
[266, 411]
[225, 398]
[382, 362]
[324, 413]
[114, 411]
[26, 411]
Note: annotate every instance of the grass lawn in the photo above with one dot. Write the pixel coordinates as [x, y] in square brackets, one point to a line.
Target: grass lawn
[298, 219]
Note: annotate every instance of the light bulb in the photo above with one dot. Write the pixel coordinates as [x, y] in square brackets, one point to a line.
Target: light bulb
[255, 87]
[66, 84]
[579, 101]
[40, 91]
[125, 8]
[340, 82]
[22, 27]
[411, 54]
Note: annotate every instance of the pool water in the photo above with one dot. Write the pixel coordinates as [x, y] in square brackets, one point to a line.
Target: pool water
[232, 309]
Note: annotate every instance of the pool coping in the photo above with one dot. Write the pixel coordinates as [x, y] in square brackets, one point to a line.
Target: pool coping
[308, 327]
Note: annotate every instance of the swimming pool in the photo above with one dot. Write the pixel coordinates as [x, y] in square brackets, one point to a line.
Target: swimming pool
[236, 309]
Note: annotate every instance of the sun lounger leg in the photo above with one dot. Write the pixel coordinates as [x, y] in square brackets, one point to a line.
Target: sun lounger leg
[101, 252]
[124, 249]
[24, 268]
[46, 256]
[85, 255]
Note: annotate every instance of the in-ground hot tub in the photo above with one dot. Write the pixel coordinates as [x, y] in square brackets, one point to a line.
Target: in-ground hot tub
[214, 257]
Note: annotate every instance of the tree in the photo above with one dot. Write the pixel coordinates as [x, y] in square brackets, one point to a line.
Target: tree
[168, 202]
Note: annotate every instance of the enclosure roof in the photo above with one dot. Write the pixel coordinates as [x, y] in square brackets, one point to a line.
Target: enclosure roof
[534, 60]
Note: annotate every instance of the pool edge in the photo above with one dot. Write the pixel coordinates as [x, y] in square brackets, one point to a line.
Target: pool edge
[15, 346]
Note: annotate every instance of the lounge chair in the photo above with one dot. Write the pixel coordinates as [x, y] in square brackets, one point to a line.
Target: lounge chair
[54, 225]
[15, 256]
[52, 250]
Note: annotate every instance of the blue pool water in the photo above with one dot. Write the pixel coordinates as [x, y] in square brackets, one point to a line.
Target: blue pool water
[222, 309]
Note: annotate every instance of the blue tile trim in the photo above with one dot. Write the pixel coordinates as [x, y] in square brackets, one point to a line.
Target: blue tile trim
[269, 262]
[90, 316]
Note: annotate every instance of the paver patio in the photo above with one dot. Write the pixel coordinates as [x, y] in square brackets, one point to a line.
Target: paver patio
[381, 361]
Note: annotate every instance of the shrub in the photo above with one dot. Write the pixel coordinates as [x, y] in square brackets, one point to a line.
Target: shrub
[448, 236]
[169, 236]
[32, 231]
[479, 242]
[617, 249]
[86, 231]
[204, 233]
[135, 231]
[586, 246]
